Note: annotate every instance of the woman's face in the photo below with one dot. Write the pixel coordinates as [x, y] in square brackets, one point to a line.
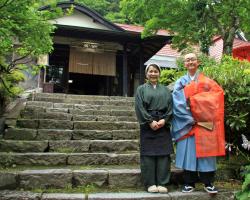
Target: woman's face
[153, 74]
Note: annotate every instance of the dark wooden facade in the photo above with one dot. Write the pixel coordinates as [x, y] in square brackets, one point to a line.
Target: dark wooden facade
[110, 71]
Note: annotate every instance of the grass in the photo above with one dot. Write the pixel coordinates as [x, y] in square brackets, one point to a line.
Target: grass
[88, 189]
[16, 168]
[91, 188]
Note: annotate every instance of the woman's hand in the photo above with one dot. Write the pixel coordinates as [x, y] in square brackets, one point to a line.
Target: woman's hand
[161, 123]
[154, 125]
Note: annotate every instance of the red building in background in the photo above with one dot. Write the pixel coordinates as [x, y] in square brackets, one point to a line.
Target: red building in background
[241, 48]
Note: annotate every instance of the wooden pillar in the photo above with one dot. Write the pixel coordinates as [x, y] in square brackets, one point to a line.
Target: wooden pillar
[66, 78]
[125, 72]
[141, 70]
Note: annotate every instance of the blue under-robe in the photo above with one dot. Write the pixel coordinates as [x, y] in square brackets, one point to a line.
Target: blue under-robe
[181, 124]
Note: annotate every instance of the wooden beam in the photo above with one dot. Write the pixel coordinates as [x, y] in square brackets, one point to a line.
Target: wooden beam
[125, 72]
[141, 71]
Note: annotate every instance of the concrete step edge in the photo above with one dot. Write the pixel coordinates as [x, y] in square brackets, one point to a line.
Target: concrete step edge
[140, 195]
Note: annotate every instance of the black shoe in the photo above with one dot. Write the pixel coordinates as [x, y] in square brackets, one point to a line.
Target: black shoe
[211, 189]
[187, 189]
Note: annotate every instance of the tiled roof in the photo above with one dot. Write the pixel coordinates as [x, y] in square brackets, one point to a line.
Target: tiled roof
[139, 29]
[240, 43]
[167, 50]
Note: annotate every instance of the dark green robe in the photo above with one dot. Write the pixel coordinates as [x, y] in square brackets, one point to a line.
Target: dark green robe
[154, 104]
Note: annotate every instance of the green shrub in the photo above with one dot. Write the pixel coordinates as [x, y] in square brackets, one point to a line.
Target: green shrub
[244, 194]
[169, 76]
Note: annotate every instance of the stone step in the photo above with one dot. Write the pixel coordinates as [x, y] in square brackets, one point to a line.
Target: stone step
[76, 125]
[79, 97]
[88, 102]
[36, 110]
[63, 134]
[54, 159]
[71, 102]
[138, 195]
[75, 117]
[112, 176]
[62, 178]
[69, 146]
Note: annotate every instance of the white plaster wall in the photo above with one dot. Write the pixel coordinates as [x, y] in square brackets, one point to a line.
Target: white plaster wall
[78, 19]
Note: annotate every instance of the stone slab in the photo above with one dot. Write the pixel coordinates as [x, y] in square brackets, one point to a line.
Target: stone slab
[54, 134]
[62, 110]
[22, 146]
[69, 146]
[55, 124]
[102, 158]
[113, 145]
[27, 123]
[198, 195]
[125, 134]
[92, 134]
[170, 196]
[105, 125]
[85, 177]
[51, 95]
[62, 196]
[122, 113]
[31, 112]
[33, 158]
[19, 195]
[40, 104]
[20, 134]
[84, 118]
[55, 115]
[63, 105]
[124, 178]
[129, 196]
[8, 180]
[44, 179]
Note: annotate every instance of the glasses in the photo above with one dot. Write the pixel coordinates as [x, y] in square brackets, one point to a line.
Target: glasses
[190, 59]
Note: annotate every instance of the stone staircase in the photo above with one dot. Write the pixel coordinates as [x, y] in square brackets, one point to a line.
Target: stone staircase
[71, 141]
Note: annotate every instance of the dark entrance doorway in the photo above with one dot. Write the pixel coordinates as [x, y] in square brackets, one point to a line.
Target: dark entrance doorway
[87, 84]
[57, 71]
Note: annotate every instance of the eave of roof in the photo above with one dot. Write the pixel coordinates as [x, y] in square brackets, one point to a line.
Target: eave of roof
[139, 29]
[106, 34]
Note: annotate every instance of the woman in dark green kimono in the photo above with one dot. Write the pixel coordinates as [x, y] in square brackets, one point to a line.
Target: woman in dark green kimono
[153, 106]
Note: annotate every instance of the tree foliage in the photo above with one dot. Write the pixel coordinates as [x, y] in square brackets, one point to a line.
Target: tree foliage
[192, 21]
[110, 9]
[25, 33]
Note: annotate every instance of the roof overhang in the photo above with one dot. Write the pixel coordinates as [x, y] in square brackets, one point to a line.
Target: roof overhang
[134, 43]
[163, 61]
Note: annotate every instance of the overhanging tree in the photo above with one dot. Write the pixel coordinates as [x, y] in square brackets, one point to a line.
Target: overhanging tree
[192, 21]
[25, 33]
